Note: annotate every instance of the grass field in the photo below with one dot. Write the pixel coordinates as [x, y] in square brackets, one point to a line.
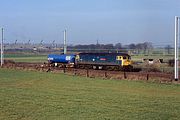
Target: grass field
[27, 95]
[26, 57]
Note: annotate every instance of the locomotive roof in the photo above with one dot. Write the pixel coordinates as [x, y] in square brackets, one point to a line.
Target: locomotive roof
[115, 54]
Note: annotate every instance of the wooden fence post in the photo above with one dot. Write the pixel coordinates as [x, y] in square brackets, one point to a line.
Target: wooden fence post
[64, 70]
[74, 71]
[87, 72]
[105, 74]
[147, 76]
[125, 76]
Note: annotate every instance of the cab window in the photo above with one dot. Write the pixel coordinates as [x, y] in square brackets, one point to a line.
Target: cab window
[124, 57]
[77, 57]
[118, 58]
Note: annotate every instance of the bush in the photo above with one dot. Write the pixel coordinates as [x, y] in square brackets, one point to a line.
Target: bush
[171, 62]
[152, 68]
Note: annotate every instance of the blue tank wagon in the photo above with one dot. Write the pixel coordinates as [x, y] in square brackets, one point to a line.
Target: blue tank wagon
[62, 59]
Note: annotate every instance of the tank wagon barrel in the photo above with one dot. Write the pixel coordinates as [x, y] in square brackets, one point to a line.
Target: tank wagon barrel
[61, 59]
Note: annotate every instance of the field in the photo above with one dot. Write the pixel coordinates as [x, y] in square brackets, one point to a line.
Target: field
[26, 57]
[29, 95]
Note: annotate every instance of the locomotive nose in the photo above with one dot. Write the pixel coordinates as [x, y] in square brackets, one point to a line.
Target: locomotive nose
[128, 62]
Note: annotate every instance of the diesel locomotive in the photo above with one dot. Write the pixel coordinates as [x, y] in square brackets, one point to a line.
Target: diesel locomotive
[105, 61]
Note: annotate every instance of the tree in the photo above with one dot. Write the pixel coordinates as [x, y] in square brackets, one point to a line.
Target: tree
[118, 46]
[144, 46]
[108, 46]
[132, 46]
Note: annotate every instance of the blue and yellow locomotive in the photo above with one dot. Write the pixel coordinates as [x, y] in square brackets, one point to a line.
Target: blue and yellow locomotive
[107, 61]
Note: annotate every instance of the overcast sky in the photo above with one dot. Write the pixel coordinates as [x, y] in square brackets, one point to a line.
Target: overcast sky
[86, 21]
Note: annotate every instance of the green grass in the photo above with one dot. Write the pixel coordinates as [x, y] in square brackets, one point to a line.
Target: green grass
[29, 59]
[26, 57]
[28, 95]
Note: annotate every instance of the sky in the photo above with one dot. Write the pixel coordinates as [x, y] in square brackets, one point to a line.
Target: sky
[86, 21]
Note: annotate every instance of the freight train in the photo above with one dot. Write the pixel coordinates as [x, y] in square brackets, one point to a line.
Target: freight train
[105, 61]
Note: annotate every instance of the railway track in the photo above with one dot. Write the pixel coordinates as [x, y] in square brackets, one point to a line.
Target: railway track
[148, 76]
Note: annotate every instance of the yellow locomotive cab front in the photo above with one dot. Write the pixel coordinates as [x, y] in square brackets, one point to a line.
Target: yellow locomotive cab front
[126, 61]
